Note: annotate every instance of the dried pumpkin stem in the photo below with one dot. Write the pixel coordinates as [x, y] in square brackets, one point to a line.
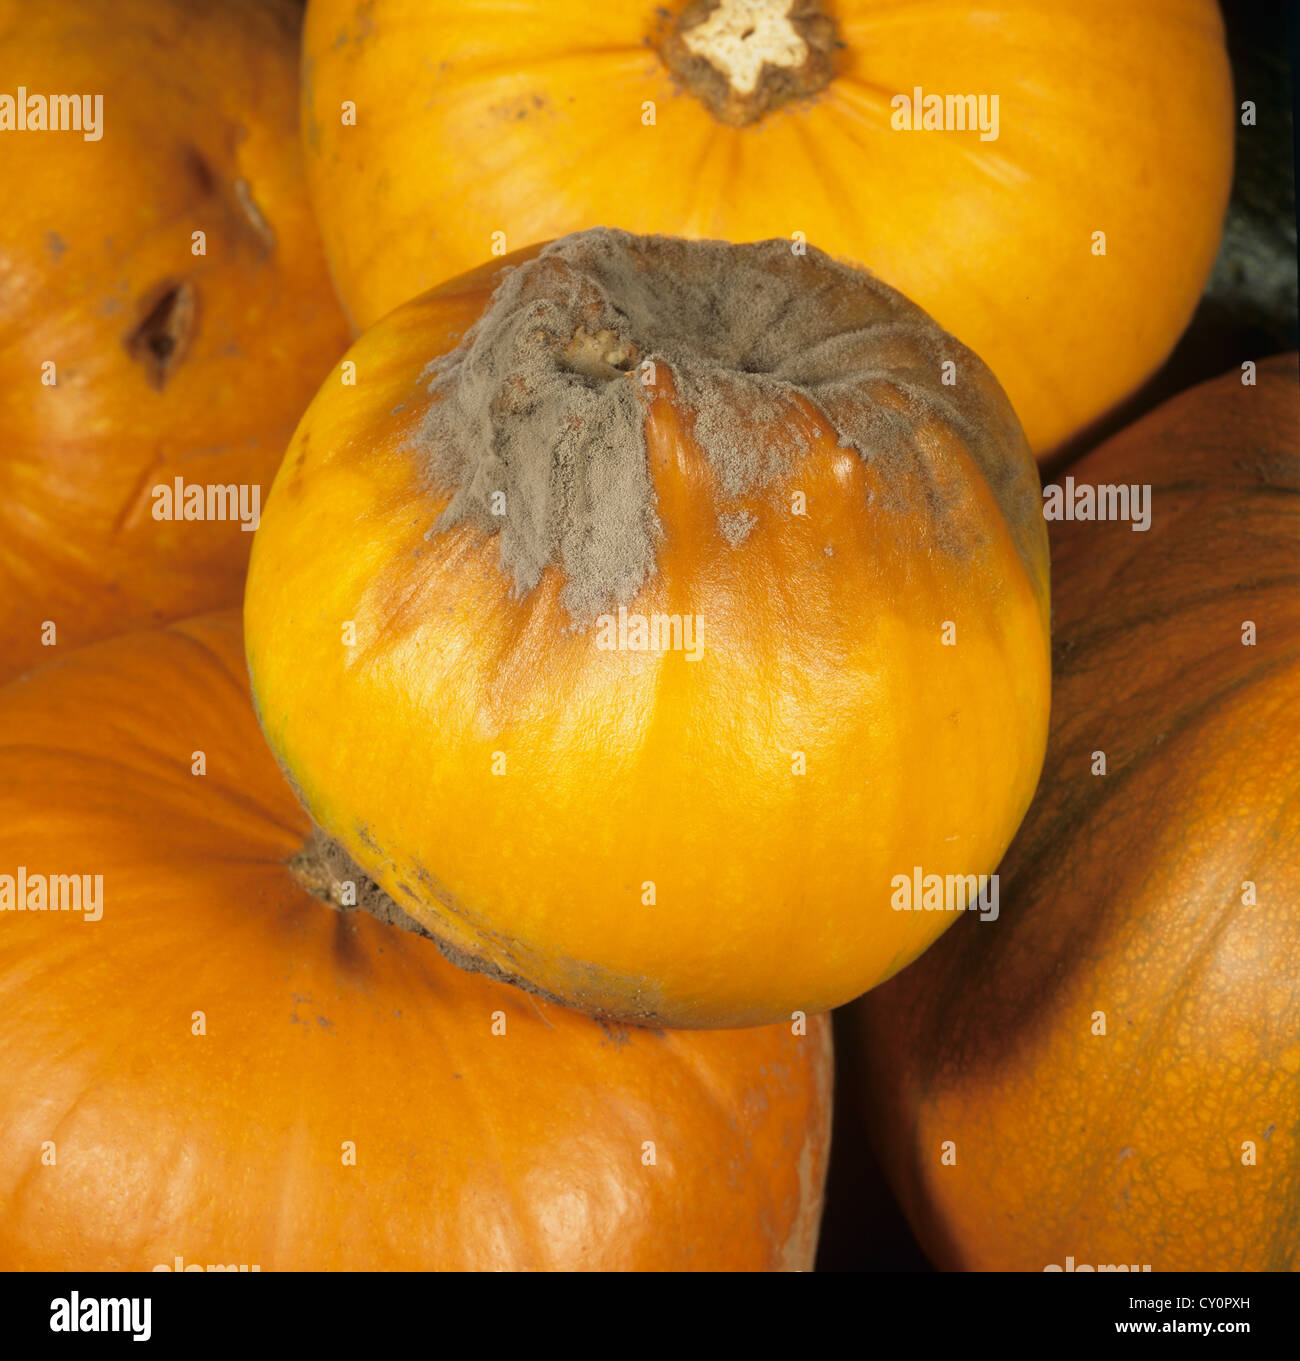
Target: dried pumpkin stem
[601, 356]
[744, 58]
[329, 873]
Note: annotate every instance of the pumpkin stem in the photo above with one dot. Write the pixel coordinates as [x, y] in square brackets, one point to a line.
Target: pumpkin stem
[325, 870]
[329, 873]
[744, 58]
[602, 356]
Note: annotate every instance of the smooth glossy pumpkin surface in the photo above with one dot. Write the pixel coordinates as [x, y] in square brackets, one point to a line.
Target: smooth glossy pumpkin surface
[225, 1069]
[129, 361]
[696, 841]
[438, 131]
[1159, 899]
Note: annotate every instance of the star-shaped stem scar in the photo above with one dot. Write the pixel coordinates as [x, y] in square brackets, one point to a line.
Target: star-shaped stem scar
[741, 37]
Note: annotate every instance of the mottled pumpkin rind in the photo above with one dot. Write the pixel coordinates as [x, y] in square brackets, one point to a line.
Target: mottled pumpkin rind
[1122, 895]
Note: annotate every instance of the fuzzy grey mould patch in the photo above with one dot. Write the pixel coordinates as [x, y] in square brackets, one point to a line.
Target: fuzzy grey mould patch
[540, 400]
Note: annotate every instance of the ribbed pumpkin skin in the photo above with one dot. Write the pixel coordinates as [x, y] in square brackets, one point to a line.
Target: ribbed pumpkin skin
[1123, 894]
[475, 117]
[199, 134]
[771, 884]
[472, 1150]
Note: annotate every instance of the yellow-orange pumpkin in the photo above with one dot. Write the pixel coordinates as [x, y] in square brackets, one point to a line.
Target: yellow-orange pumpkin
[440, 130]
[761, 446]
[1114, 1060]
[128, 360]
[222, 1068]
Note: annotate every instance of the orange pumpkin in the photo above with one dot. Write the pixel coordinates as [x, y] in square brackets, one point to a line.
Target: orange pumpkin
[438, 131]
[636, 650]
[222, 1068]
[1114, 1060]
[129, 360]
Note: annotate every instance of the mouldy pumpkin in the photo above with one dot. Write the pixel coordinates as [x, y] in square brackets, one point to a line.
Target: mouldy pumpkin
[1115, 1059]
[130, 361]
[224, 1069]
[437, 130]
[635, 642]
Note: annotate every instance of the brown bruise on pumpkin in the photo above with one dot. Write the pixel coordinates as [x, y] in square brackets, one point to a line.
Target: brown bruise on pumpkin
[166, 330]
[252, 214]
[169, 312]
[743, 58]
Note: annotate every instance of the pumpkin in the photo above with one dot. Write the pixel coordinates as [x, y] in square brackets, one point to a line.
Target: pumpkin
[1112, 1063]
[1065, 240]
[214, 1065]
[147, 385]
[635, 641]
